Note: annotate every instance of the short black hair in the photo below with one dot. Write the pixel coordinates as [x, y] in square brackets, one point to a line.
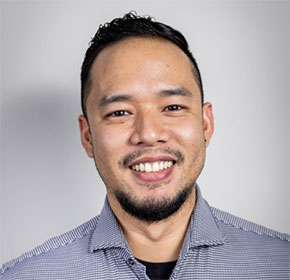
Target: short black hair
[131, 25]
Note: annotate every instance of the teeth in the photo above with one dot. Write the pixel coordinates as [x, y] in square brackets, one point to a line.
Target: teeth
[147, 167]
[155, 166]
[152, 167]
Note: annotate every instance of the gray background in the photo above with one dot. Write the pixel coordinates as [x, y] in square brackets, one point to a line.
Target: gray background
[49, 186]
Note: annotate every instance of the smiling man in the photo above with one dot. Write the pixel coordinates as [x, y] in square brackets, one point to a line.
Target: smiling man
[146, 126]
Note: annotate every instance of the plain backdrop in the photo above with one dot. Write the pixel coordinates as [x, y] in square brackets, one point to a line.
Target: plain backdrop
[49, 186]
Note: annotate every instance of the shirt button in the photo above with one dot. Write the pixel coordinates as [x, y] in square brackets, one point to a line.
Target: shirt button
[131, 261]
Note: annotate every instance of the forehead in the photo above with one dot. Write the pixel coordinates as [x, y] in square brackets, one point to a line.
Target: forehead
[141, 64]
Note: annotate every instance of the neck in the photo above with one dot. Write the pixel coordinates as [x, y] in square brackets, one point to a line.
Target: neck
[155, 242]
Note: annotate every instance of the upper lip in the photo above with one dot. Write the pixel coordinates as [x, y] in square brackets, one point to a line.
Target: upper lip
[152, 159]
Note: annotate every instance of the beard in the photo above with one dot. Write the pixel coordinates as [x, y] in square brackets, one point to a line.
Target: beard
[153, 210]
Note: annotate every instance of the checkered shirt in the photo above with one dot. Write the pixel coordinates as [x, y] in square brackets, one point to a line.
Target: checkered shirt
[217, 245]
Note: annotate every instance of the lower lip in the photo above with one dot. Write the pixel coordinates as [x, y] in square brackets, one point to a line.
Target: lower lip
[153, 176]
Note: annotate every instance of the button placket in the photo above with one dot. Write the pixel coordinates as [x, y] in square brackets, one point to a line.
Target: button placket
[138, 269]
[131, 261]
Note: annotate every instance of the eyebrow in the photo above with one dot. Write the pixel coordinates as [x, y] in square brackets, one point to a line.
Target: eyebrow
[108, 99]
[178, 91]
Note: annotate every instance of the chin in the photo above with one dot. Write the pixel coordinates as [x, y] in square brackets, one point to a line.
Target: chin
[153, 208]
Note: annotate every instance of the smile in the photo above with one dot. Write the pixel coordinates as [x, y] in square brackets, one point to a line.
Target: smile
[152, 166]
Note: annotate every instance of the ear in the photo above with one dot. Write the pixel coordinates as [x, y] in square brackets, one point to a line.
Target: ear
[208, 123]
[86, 137]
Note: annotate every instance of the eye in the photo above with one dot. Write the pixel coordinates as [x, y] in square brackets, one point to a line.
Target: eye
[174, 107]
[119, 113]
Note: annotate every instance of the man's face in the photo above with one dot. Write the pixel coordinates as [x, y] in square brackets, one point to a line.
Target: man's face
[146, 127]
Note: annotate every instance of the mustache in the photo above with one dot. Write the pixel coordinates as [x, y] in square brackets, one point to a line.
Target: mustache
[164, 150]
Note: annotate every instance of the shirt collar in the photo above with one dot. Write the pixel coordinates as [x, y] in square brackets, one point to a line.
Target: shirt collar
[203, 228]
[108, 233]
[202, 231]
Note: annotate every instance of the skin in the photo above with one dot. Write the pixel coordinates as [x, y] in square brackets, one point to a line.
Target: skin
[141, 70]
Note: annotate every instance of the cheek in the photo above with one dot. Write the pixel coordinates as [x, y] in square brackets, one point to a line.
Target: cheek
[108, 143]
[188, 132]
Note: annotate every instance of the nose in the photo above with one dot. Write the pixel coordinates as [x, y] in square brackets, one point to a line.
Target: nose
[149, 130]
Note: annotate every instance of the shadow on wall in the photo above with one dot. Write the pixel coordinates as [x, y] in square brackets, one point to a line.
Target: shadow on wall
[41, 148]
[40, 122]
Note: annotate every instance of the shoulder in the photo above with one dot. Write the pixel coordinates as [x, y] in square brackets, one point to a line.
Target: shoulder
[242, 227]
[252, 248]
[73, 241]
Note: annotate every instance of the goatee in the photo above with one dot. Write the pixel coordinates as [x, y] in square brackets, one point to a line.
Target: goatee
[153, 210]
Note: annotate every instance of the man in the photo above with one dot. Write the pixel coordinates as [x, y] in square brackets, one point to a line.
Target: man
[146, 126]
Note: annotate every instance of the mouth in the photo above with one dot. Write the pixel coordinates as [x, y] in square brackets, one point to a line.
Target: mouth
[152, 169]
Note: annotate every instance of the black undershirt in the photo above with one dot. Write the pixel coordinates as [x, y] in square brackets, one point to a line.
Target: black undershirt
[158, 271]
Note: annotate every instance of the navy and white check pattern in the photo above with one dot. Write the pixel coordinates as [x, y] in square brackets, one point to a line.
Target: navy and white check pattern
[217, 246]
